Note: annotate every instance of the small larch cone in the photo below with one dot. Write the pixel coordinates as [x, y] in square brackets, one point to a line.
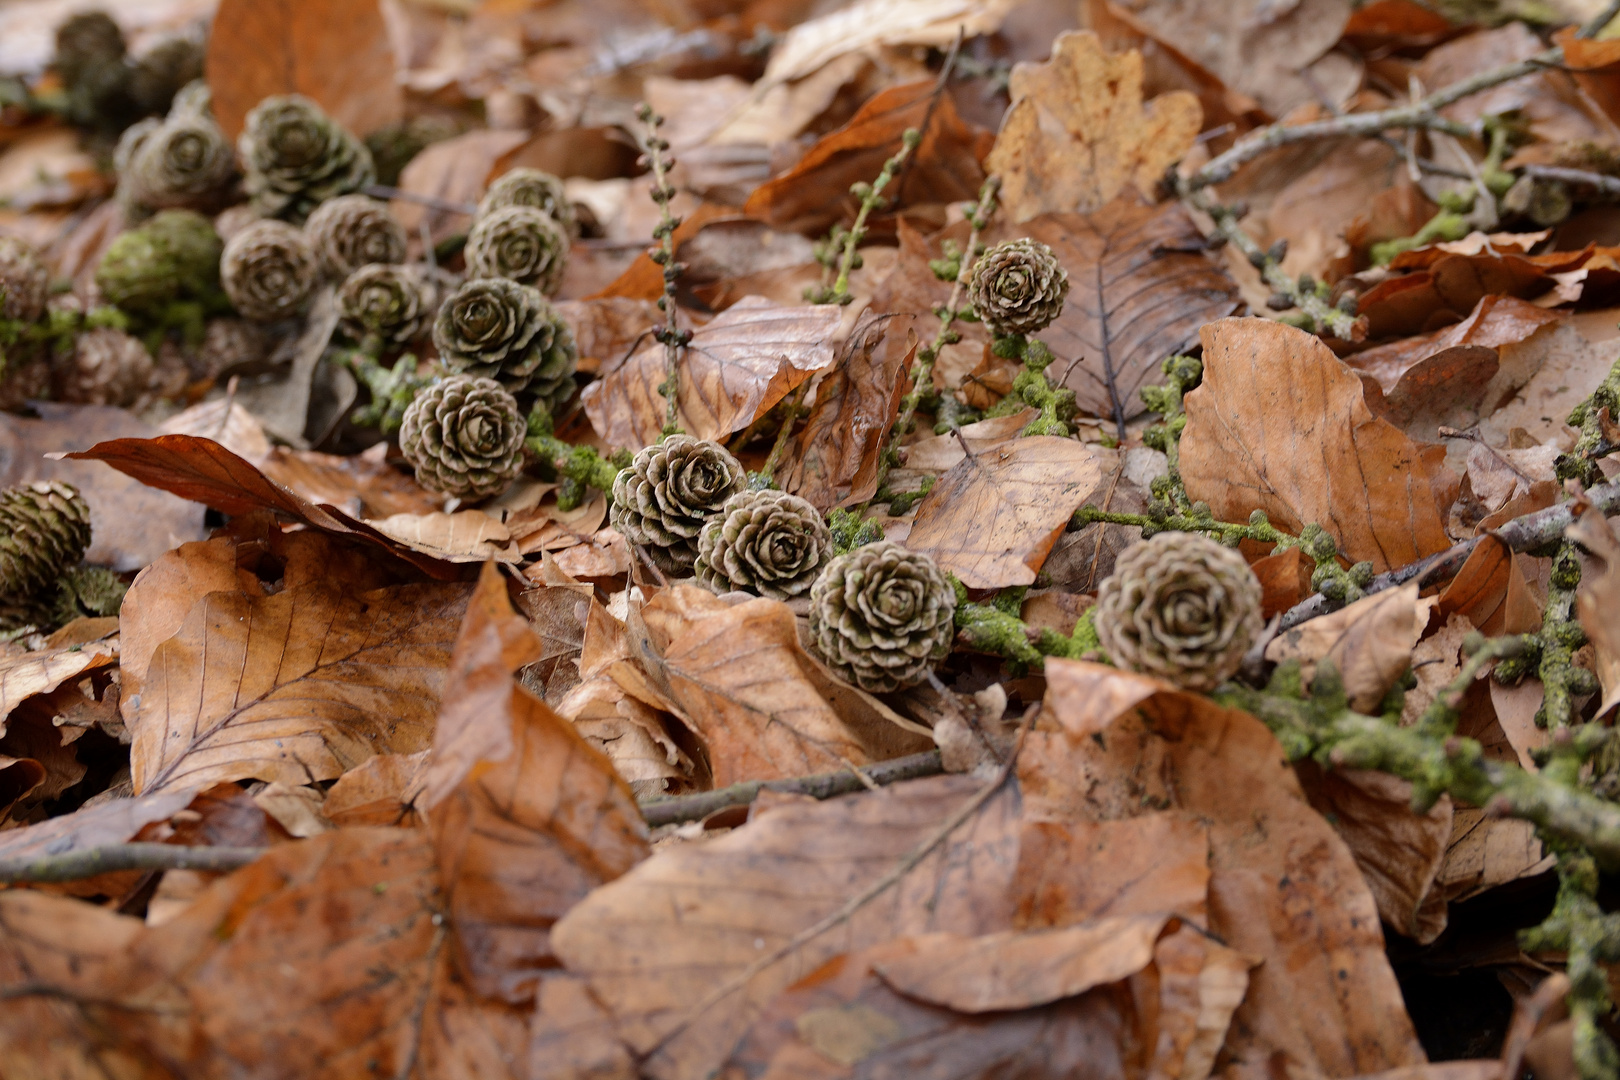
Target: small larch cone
[520, 243]
[1182, 607]
[882, 617]
[464, 437]
[268, 271]
[394, 303]
[531, 187]
[175, 256]
[296, 157]
[24, 281]
[44, 530]
[768, 543]
[352, 231]
[1017, 288]
[106, 367]
[498, 329]
[665, 497]
[182, 161]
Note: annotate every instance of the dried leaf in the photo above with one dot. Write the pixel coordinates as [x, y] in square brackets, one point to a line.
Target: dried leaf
[815, 43]
[607, 329]
[1283, 888]
[452, 172]
[736, 368]
[24, 674]
[739, 678]
[1494, 322]
[943, 168]
[465, 536]
[362, 486]
[378, 791]
[296, 686]
[1597, 601]
[1370, 642]
[334, 51]
[833, 460]
[1078, 133]
[526, 816]
[994, 517]
[1281, 425]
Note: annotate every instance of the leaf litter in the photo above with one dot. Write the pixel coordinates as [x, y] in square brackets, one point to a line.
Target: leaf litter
[330, 748]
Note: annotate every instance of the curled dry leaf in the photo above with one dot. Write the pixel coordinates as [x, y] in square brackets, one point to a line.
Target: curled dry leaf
[295, 686]
[337, 53]
[1369, 641]
[737, 675]
[736, 368]
[362, 486]
[833, 460]
[1494, 322]
[527, 817]
[992, 519]
[817, 42]
[1280, 424]
[943, 168]
[24, 674]
[1078, 134]
[1283, 888]
[465, 536]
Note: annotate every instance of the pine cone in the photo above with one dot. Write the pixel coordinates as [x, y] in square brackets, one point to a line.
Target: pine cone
[182, 161]
[24, 281]
[464, 436]
[350, 231]
[107, 367]
[663, 499]
[85, 41]
[497, 329]
[519, 243]
[882, 616]
[44, 529]
[174, 256]
[230, 342]
[764, 542]
[268, 271]
[163, 70]
[395, 303]
[1018, 287]
[1179, 606]
[531, 187]
[297, 157]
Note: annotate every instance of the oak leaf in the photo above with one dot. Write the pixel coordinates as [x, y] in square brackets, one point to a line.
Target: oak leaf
[992, 519]
[1280, 424]
[735, 369]
[1078, 132]
[334, 51]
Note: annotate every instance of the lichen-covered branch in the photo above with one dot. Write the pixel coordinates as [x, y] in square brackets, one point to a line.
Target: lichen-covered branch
[655, 152]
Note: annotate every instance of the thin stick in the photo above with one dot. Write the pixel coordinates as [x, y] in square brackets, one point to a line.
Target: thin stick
[88, 862]
[1600, 20]
[1420, 114]
[1608, 185]
[383, 191]
[668, 811]
[783, 437]
[907, 864]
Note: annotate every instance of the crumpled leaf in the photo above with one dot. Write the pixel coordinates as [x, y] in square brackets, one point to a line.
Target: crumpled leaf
[816, 42]
[295, 686]
[943, 168]
[465, 536]
[992, 519]
[334, 51]
[24, 674]
[1280, 424]
[1283, 890]
[1370, 642]
[527, 818]
[738, 677]
[1078, 132]
[734, 370]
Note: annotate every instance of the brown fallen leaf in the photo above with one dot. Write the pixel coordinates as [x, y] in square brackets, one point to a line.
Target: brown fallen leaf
[526, 816]
[295, 686]
[24, 674]
[833, 460]
[1283, 888]
[452, 172]
[1495, 321]
[736, 368]
[992, 519]
[943, 168]
[739, 678]
[462, 537]
[1553, 111]
[608, 329]
[1370, 642]
[1280, 424]
[205, 471]
[379, 791]
[362, 486]
[337, 53]
[1078, 133]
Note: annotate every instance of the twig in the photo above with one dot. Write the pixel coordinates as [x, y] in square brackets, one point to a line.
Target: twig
[910, 862]
[383, 191]
[767, 473]
[655, 152]
[1419, 114]
[668, 811]
[88, 862]
[1602, 19]
[1608, 185]
[922, 377]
